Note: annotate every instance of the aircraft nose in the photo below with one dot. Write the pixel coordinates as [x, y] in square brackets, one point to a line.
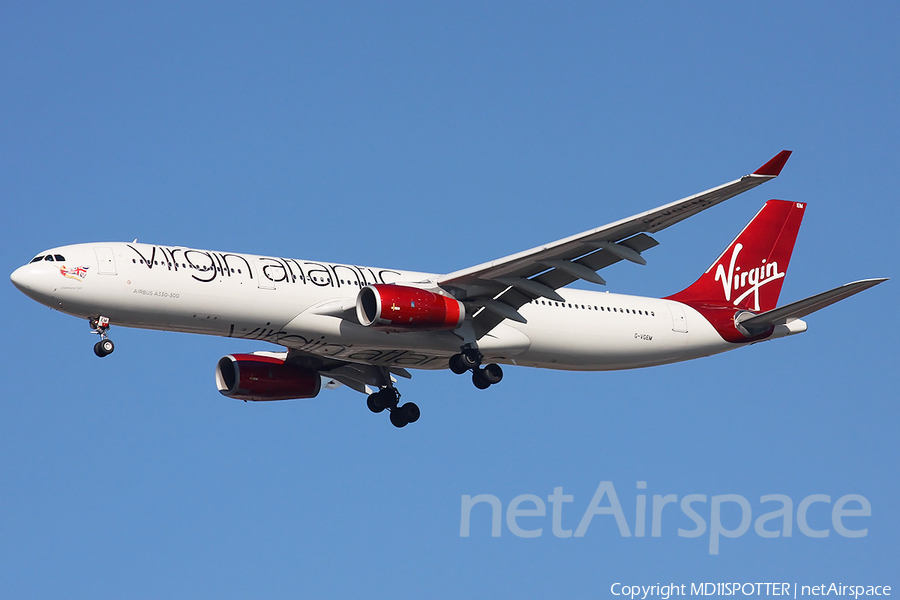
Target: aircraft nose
[21, 278]
[29, 279]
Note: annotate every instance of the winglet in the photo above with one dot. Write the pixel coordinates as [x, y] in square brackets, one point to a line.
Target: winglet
[773, 167]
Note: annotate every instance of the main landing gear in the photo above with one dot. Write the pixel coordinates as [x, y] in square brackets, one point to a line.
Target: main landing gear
[469, 359]
[389, 398]
[100, 326]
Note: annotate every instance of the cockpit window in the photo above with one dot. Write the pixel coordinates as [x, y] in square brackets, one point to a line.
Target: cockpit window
[37, 259]
[49, 257]
[59, 258]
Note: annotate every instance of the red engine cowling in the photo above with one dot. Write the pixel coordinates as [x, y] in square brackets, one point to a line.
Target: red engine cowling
[405, 308]
[259, 377]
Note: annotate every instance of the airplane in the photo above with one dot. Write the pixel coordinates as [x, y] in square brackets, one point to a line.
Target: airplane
[363, 327]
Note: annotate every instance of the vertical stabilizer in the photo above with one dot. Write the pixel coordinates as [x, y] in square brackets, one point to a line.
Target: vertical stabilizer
[750, 273]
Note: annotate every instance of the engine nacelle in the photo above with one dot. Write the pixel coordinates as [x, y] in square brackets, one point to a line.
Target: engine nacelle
[260, 377]
[405, 308]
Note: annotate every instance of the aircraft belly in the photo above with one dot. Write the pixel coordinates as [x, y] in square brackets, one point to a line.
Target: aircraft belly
[345, 340]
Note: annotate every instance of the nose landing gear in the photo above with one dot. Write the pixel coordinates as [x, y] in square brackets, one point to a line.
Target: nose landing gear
[469, 359]
[100, 326]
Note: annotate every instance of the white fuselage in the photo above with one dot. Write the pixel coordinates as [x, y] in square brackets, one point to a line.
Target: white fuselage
[283, 301]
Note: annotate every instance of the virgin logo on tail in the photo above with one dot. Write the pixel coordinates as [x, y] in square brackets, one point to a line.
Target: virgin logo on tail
[736, 280]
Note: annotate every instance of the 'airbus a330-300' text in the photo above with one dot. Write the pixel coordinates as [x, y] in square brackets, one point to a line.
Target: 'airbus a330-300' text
[363, 327]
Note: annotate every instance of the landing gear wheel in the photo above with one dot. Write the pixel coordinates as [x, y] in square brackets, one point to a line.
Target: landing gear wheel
[492, 373]
[458, 364]
[480, 380]
[100, 326]
[104, 348]
[398, 418]
[470, 357]
[410, 412]
[386, 398]
[373, 404]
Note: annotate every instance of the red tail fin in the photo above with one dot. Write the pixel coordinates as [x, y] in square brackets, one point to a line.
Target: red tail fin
[750, 273]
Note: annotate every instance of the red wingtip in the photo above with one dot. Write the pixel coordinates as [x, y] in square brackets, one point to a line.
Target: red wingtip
[773, 167]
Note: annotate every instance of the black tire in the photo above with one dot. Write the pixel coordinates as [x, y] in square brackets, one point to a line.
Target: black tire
[470, 357]
[457, 365]
[410, 412]
[98, 349]
[493, 373]
[107, 347]
[372, 403]
[386, 398]
[398, 419]
[479, 380]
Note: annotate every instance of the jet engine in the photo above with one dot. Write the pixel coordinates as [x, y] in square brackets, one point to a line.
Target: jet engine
[261, 377]
[405, 308]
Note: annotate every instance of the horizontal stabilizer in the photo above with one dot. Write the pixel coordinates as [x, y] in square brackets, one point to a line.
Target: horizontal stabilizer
[801, 308]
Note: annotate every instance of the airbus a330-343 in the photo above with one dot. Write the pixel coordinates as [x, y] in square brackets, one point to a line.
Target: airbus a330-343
[363, 327]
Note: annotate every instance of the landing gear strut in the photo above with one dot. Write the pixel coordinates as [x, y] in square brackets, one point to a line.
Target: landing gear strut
[100, 326]
[469, 359]
[389, 398]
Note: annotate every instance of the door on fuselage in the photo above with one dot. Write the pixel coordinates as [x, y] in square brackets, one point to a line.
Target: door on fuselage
[679, 323]
[106, 262]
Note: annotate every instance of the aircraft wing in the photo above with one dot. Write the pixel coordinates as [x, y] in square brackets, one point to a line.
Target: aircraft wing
[361, 377]
[498, 288]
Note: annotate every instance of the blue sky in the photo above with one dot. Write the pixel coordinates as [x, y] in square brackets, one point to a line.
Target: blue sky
[434, 137]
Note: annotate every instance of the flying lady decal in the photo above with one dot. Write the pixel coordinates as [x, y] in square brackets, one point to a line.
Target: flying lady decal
[76, 273]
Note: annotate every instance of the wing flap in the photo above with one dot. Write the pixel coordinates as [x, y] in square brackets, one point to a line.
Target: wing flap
[596, 260]
[361, 377]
